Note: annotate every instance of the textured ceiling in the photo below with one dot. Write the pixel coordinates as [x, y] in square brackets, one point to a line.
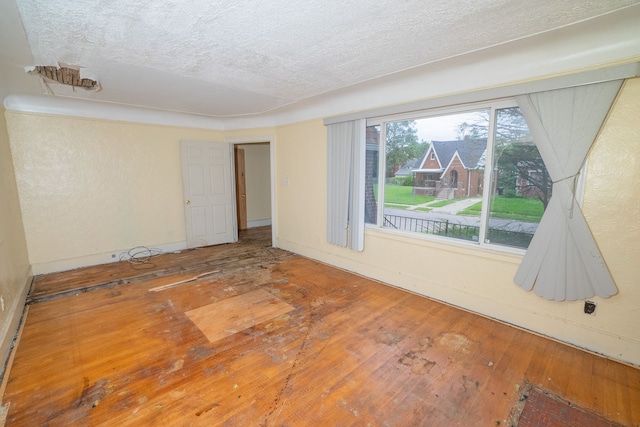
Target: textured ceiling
[230, 58]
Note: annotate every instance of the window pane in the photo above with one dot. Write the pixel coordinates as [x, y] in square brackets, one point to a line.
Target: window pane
[434, 174]
[520, 187]
[371, 175]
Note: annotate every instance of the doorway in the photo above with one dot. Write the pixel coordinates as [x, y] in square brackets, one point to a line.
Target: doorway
[253, 175]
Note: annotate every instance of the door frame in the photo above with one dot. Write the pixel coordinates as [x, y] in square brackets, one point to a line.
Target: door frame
[241, 183]
[272, 171]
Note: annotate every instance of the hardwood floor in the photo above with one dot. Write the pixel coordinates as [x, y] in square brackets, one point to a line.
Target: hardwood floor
[295, 343]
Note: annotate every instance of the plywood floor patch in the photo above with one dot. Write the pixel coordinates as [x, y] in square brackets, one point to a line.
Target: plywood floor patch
[227, 317]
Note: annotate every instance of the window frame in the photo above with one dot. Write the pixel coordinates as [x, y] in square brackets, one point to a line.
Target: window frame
[492, 106]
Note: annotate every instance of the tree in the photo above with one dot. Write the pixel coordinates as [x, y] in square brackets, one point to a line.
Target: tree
[476, 130]
[511, 126]
[516, 154]
[522, 160]
[402, 144]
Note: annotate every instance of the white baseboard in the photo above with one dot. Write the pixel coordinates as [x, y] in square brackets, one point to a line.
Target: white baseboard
[259, 223]
[12, 321]
[102, 258]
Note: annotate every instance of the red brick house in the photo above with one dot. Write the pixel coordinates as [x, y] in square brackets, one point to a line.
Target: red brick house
[452, 169]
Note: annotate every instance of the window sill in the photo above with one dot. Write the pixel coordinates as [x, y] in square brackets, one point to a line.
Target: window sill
[456, 246]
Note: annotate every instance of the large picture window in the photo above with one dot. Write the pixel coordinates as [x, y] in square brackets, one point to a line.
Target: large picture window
[473, 174]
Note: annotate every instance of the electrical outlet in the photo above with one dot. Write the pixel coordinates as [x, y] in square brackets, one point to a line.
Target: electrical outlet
[113, 256]
[589, 307]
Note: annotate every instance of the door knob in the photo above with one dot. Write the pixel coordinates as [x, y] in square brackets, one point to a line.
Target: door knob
[242, 195]
[188, 202]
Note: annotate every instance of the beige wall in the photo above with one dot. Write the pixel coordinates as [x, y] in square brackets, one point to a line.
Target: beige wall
[484, 284]
[14, 261]
[612, 209]
[258, 182]
[90, 188]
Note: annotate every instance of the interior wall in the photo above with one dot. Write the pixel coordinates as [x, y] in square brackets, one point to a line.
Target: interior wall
[612, 208]
[93, 188]
[258, 183]
[14, 261]
[89, 188]
[473, 278]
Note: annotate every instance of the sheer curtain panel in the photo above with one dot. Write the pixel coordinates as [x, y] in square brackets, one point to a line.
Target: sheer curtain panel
[563, 261]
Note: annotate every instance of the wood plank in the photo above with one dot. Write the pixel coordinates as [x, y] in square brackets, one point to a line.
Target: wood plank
[233, 315]
[174, 280]
[347, 351]
[255, 246]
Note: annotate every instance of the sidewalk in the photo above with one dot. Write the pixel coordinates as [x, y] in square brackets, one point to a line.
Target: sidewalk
[453, 208]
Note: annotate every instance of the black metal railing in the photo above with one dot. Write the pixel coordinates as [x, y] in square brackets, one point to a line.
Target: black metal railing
[460, 231]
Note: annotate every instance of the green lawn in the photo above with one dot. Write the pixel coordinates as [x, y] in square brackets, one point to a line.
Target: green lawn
[402, 195]
[516, 208]
[510, 208]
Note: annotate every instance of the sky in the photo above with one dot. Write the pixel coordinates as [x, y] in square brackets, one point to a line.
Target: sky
[442, 128]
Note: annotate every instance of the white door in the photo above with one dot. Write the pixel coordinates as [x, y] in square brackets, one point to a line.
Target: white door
[209, 201]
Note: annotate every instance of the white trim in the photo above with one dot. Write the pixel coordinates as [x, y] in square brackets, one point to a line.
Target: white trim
[508, 91]
[428, 170]
[489, 151]
[271, 139]
[107, 111]
[425, 157]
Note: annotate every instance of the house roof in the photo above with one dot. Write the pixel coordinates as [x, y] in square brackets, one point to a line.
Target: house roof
[470, 151]
[408, 167]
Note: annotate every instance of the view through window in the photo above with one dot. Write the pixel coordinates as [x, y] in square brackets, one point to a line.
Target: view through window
[473, 175]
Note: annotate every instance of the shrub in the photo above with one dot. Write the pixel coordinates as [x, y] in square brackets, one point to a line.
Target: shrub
[406, 181]
[510, 193]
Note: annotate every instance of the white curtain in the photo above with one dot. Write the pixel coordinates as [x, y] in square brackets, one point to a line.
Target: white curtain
[563, 261]
[345, 183]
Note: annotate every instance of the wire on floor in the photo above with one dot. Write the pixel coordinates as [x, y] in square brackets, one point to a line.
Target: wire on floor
[140, 256]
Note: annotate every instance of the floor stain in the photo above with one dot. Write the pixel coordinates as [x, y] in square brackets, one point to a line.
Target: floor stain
[199, 353]
[178, 364]
[90, 394]
[81, 407]
[470, 384]
[389, 338]
[455, 342]
[282, 318]
[419, 365]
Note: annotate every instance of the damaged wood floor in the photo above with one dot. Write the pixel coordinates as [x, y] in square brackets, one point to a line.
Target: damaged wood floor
[249, 335]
